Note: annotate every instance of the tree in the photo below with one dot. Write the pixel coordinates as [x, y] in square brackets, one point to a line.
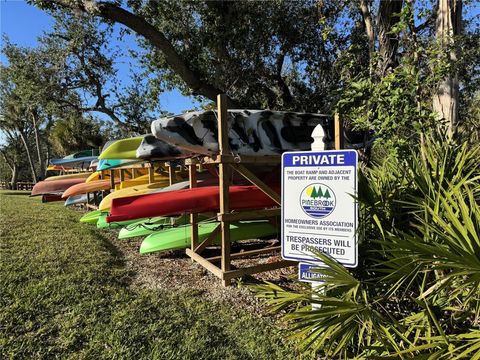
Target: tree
[446, 97]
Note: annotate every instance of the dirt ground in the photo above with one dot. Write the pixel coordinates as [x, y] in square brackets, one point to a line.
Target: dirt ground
[173, 270]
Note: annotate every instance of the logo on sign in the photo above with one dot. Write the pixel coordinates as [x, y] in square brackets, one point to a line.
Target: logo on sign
[317, 200]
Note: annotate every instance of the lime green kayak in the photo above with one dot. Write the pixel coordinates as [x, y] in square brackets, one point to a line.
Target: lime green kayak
[122, 149]
[102, 222]
[179, 238]
[91, 217]
[146, 227]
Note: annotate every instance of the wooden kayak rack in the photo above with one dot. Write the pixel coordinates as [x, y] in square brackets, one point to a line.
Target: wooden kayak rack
[226, 164]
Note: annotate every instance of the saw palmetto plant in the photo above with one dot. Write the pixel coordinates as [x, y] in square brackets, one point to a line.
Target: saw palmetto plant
[416, 291]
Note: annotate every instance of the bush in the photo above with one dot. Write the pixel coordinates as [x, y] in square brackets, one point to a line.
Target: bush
[416, 291]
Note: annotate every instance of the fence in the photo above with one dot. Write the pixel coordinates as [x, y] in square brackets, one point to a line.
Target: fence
[21, 185]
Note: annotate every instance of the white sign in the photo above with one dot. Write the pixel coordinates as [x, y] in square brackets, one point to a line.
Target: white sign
[319, 211]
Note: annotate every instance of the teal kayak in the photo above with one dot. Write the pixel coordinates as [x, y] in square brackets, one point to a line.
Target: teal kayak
[146, 227]
[179, 238]
[91, 217]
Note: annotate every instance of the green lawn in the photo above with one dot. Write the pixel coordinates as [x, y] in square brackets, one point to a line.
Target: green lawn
[65, 293]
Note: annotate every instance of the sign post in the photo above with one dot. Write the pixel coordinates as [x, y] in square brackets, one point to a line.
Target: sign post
[319, 209]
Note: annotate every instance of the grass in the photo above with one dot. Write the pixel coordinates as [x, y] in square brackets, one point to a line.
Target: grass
[65, 294]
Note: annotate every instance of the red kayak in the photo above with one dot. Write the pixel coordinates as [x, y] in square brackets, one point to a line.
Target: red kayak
[197, 200]
[51, 197]
[54, 186]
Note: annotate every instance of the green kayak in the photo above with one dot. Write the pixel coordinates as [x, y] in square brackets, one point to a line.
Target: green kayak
[122, 149]
[146, 227]
[102, 222]
[179, 238]
[91, 217]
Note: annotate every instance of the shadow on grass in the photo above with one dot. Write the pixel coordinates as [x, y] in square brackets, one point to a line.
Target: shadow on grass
[14, 192]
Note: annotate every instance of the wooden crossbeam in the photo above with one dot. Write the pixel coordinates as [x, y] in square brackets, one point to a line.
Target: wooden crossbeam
[208, 240]
[249, 215]
[215, 270]
[247, 253]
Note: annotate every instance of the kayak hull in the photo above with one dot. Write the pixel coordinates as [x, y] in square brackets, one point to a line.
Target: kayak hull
[179, 238]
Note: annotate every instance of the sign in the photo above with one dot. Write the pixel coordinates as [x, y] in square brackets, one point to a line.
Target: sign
[306, 274]
[319, 210]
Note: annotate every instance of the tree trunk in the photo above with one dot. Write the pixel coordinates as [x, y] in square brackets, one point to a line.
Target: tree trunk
[14, 178]
[446, 98]
[29, 157]
[388, 17]
[41, 170]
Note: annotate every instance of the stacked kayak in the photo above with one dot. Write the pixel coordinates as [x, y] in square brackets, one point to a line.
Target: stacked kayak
[197, 200]
[179, 238]
[54, 186]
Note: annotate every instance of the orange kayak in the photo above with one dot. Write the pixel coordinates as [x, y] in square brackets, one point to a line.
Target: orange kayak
[85, 187]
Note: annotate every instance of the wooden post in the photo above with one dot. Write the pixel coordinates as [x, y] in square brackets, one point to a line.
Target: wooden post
[122, 174]
[171, 173]
[151, 174]
[224, 177]
[112, 179]
[338, 132]
[134, 173]
[192, 176]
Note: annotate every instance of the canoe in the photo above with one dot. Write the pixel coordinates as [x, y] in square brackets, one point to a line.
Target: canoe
[179, 238]
[77, 199]
[106, 203]
[251, 132]
[197, 200]
[102, 222]
[153, 148]
[69, 176]
[122, 149]
[146, 227]
[85, 187]
[54, 186]
[91, 217]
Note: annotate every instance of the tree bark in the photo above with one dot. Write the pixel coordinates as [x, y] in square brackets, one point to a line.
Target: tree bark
[29, 157]
[388, 17]
[369, 29]
[446, 98]
[41, 170]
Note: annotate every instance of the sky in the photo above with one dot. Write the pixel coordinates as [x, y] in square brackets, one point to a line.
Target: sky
[24, 23]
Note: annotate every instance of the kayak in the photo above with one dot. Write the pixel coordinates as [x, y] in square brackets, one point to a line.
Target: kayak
[77, 199]
[91, 217]
[102, 222]
[106, 203]
[146, 227]
[153, 148]
[122, 149]
[85, 187]
[107, 164]
[250, 132]
[54, 186]
[74, 162]
[196, 200]
[142, 180]
[69, 176]
[179, 238]
[51, 197]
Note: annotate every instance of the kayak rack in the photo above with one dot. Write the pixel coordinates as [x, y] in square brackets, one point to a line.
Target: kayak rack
[227, 163]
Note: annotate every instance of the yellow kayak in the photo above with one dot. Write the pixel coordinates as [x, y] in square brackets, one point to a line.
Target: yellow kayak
[141, 180]
[131, 191]
[69, 176]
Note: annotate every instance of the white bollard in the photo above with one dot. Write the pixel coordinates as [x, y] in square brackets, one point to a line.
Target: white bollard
[318, 145]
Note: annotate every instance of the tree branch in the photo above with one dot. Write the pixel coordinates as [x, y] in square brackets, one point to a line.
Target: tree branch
[112, 12]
